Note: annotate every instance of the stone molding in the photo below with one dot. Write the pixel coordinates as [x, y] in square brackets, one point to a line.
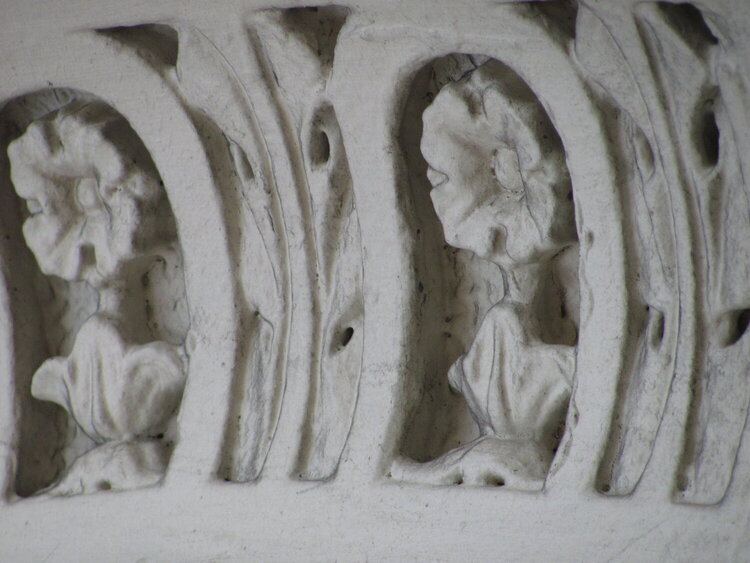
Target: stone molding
[375, 280]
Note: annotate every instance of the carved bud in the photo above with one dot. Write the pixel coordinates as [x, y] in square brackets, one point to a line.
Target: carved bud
[114, 390]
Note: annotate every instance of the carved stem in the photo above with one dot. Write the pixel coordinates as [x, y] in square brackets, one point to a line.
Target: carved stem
[523, 281]
[111, 297]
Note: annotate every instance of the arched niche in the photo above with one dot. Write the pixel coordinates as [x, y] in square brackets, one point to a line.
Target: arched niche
[137, 93]
[542, 61]
[457, 287]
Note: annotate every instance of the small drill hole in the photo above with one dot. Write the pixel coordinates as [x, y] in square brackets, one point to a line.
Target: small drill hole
[657, 328]
[347, 336]
[320, 151]
[709, 139]
[689, 22]
[459, 481]
[605, 488]
[104, 486]
[738, 326]
[682, 484]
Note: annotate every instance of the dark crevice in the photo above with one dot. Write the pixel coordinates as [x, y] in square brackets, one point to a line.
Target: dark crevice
[734, 325]
[154, 41]
[319, 27]
[557, 16]
[707, 135]
[346, 336]
[688, 21]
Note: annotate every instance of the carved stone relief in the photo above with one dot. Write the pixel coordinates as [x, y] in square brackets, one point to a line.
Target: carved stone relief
[313, 159]
[380, 247]
[110, 285]
[501, 190]
[684, 198]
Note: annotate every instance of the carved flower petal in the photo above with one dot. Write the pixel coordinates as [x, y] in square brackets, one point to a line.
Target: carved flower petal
[114, 390]
[488, 460]
[156, 381]
[56, 237]
[49, 380]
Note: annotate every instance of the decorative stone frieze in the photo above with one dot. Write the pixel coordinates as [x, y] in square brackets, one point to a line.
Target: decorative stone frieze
[390, 280]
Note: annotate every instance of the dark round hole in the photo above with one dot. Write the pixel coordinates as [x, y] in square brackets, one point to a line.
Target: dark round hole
[320, 151]
[738, 326]
[709, 139]
[657, 328]
[347, 335]
[104, 486]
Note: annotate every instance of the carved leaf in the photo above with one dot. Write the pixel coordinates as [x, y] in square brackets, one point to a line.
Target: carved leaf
[300, 45]
[605, 54]
[114, 390]
[688, 64]
[209, 83]
[115, 466]
[517, 387]
[339, 267]
[488, 460]
[649, 368]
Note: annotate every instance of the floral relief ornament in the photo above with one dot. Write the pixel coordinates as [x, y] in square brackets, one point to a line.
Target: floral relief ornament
[500, 183]
[122, 396]
[95, 204]
[114, 390]
[91, 190]
[501, 190]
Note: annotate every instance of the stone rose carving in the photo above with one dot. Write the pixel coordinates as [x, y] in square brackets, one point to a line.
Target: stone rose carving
[113, 389]
[501, 190]
[91, 194]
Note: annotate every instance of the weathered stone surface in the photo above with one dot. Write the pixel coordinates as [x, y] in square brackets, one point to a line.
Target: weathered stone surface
[374, 280]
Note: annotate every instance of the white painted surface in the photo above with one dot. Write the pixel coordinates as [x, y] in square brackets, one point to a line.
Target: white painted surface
[359, 512]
